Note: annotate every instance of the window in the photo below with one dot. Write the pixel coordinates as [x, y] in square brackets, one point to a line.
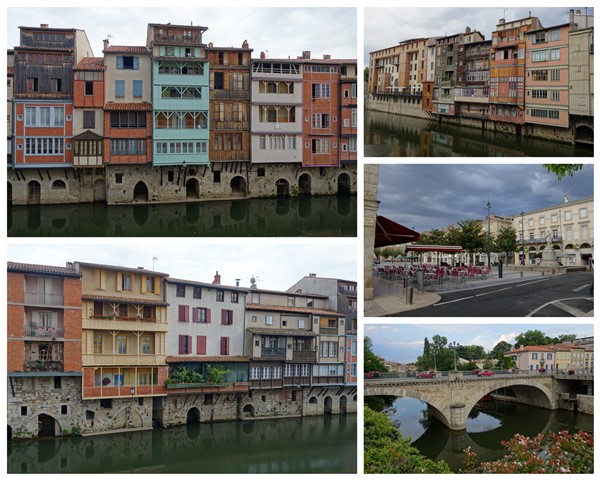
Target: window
[328, 349]
[197, 292]
[291, 301]
[320, 145]
[534, 356]
[185, 344]
[320, 120]
[353, 348]
[146, 345]
[122, 344]
[224, 346]
[149, 284]
[555, 54]
[268, 320]
[125, 281]
[23, 410]
[89, 88]
[220, 295]
[56, 84]
[539, 56]
[555, 75]
[44, 117]
[118, 178]
[583, 213]
[137, 88]
[184, 313]
[234, 297]
[226, 317]
[585, 232]
[201, 315]
[555, 35]
[180, 290]
[89, 119]
[217, 177]
[32, 84]
[127, 62]
[119, 88]
[320, 90]
[57, 382]
[218, 83]
[106, 402]
[97, 343]
[353, 111]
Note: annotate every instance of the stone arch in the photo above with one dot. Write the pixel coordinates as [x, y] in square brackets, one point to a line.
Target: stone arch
[585, 245]
[193, 415]
[248, 410]
[328, 406]
[283, 187]
[343, 404]
[192, 188]
[584, 134]
[238, 186]
[305, 184]
[34, 193]
[537, 395]
[344, 184]
[59, 185]
[99, 190]
[48, 426]
[313, 400]
[140, 192]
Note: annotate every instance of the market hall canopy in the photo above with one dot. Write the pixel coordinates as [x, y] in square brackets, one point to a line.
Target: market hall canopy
[388, 232]
[434, 248]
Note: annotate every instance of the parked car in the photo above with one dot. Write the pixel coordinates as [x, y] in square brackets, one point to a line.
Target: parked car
[429, 374]
[486, 373]
[374, 374]
[542, 370]
[475, 371]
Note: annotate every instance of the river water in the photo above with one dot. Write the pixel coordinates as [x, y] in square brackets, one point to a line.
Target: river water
[299, 445]
[391, 135]
[487, 425]
[322, 216]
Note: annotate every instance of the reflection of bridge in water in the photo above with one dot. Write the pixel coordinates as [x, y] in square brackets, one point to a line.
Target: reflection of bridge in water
[440, 443]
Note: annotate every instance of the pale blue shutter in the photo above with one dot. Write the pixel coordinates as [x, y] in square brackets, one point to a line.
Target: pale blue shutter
[120, 63]
[137, 88]
[119, 88]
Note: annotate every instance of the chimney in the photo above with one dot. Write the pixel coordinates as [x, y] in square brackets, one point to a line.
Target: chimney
[105, 43]
[245, 44]
[217, 280]
[326, 56]
[468, 30]
[237, 282]
[571, 16]
[43, 25]
[210, 45]
[501, 21]
[306, 55]
[262, 55]
[566, 198]
[312, 274]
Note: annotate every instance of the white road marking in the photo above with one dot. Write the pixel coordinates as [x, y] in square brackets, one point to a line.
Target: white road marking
[531, 283]
[560, 304]
[470, 297]
[495, 291]
[579, 289]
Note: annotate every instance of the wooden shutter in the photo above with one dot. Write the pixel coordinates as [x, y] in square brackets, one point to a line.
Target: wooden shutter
[144, 277]
[201, 345]
[224, 345]
[223, 317]
[119, 282]
[184, 313]
[195, 314]
[157, 285]
[208, 315]
[182, 344]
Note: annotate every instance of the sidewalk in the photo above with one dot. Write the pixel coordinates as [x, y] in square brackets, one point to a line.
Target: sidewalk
[390, 296]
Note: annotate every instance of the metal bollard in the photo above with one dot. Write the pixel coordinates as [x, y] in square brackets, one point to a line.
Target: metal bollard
[409, 296]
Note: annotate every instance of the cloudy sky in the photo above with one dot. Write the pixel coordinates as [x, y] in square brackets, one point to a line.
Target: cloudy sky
[386, 27]
[280, 32]
[404, 343]
[276, 264]
[427, 196]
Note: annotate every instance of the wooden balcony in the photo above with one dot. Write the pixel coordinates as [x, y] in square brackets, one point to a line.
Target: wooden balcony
[124, 323]
[110, 359]
[266, 383]
[195, 388]
[304, 356]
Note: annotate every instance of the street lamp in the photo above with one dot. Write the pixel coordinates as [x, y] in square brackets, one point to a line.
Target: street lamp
[489, 206]
[522, 241]
[454, 345]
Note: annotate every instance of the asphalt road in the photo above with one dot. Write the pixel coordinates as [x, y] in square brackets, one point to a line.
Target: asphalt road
[566, 295]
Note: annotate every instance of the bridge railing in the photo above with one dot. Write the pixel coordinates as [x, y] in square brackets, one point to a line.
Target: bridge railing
[472, 374]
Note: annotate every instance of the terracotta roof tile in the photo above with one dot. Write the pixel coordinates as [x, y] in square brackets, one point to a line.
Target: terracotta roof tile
[90, 63]
[130, 106]
[283, 308]
[126, 49]
[42, 269]
[121, 268]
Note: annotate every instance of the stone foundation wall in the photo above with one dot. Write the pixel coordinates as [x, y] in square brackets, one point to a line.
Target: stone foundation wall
[398, 107]
[126, 184]
[585, 404]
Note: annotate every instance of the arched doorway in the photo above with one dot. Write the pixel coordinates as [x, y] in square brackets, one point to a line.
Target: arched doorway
[46, 426]
[283, 187]
[248, 410]
[99, 191]
[140, 192]
[328, 406]
[193, 415]
[34, 194]
[192, 188]
[238, 186]
[343, 184]
[305, 184]
[343, 404]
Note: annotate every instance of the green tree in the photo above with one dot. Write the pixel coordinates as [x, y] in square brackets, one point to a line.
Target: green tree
[472, 237]
[562, 170]
[566, 338]
[372, 363]
[498, 352]
[366, 74]
[439, 343]
[434, 237]
[531, 338]
[385, 451]
[506, 241]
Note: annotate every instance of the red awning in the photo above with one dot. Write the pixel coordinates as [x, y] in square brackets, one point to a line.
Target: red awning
[388, 232]
[434, 248]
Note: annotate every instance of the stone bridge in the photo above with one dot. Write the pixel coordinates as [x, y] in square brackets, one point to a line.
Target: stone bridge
[452, 398]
